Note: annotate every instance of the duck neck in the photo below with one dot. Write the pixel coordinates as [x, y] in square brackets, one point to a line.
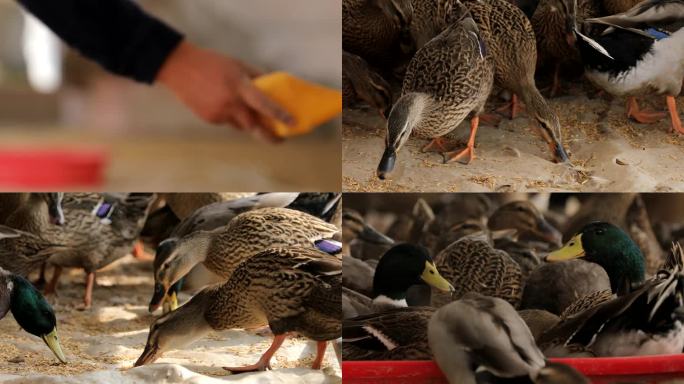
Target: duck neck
[624, 268]
[406, 114]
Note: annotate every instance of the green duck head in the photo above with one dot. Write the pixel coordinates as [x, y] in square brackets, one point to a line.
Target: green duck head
[34, 314]
[405, 265]
[610, 247]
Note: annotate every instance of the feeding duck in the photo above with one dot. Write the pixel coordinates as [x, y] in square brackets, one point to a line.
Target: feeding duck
[640, 53]
[479, 331]
[448, 80]
[645, 321]
[375, 29]
[361, 83]
[471, 264]
[395, 334]
[207, 218]
[399, 268]
[511, 40]
[221, 250]
[512, 49]
[291, 289]
[30, 309]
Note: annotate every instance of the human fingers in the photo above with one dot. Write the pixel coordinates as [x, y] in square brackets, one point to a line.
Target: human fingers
[263, 105]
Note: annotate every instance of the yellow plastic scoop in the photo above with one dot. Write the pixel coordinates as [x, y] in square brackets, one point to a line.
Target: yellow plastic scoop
[310, 104]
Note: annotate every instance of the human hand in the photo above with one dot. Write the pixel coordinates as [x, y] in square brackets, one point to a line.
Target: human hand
[219, 90]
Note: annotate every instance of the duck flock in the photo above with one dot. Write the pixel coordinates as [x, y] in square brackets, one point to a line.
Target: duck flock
[491, 285]
[427, 65]
[266, 261]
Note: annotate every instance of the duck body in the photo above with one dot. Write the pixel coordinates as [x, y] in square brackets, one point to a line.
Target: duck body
[473, 265]
[395, 334]
[221, 250]
[361, 83]
[207, 218]
[374, 29]
[447, 80]
[642, 53]
[292, 289]
[479, 331]
[641, 65]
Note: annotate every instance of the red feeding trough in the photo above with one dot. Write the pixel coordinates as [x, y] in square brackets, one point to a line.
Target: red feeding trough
[603, 370]
[43, 169]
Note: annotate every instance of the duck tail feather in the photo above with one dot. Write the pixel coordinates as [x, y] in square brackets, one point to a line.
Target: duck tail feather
[593, 44]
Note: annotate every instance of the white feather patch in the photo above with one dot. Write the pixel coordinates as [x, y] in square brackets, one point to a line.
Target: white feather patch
[386, 341]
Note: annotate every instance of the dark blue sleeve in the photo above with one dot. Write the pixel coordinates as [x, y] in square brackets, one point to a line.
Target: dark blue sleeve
[115, 33]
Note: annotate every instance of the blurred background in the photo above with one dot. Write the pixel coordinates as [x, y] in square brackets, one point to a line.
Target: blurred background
[50, 97]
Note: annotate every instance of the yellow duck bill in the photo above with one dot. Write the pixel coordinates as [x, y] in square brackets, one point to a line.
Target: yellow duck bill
[572, 250]
[52, 342]
[432, 277]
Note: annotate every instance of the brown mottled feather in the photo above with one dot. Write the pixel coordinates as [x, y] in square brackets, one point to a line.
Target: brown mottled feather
[293, 289]
[254, 231]
[473, 265]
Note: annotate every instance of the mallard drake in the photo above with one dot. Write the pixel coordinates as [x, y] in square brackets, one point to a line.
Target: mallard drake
[360, 83]
[645, 321]
[399, 268]
[479, 331]
[448, 80]
[471, 264]
[375, 29]
[641, 52]
[320, 204]
[395, 334]
[221, 250]
[610, 247]
[291, 289]
[30, 309]
[627, 211]
[210, 217]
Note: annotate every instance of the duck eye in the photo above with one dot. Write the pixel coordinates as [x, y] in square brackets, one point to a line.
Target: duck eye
[432, 272]
[600, 231]
[572, 243]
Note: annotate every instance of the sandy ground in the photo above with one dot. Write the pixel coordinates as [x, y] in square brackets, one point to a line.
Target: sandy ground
[610, 152]
[102, 344]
